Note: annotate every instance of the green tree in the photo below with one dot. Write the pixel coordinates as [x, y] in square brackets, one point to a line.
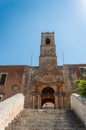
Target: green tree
[81, 83]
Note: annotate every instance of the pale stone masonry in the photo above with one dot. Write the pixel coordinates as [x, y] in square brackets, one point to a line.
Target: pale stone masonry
[9, 109]
[49, 119]
[78, 104]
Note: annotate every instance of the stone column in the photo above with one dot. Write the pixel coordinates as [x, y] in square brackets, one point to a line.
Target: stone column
[26, 103]
[39, 102]
[56, 101]
[33, 102]
[62, 99]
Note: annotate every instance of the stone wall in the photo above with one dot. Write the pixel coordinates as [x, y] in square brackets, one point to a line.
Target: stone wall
[13, 81]
[9, 109]
[78, 104]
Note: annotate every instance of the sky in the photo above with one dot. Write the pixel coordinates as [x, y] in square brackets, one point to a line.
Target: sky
[23, 21]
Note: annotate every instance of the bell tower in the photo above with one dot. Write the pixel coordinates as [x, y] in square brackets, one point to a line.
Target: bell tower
[47, 50]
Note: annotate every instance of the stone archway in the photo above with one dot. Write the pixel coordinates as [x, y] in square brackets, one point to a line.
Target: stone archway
[47, 95]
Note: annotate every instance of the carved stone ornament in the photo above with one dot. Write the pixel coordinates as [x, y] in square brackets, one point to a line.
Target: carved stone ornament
[15, 88]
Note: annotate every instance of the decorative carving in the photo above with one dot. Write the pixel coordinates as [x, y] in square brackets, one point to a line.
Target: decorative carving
[59, 79]
[15, 88]
[48, 77]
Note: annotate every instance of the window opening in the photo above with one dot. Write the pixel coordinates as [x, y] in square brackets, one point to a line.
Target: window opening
[47, 41]
[2, 79]
[83, 71]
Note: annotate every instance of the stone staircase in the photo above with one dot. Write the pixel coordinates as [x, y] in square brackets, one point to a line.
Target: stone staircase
[46, 120]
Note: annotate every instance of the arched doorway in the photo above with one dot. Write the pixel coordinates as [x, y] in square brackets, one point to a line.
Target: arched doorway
[47, 96]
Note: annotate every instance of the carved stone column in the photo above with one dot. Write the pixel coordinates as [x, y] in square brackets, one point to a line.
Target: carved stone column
[39, 102]
[62, 102]
[56, 102]
[33, 102]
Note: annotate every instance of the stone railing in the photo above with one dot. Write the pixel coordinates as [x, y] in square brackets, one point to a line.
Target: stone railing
[9, 109]
[78, 104]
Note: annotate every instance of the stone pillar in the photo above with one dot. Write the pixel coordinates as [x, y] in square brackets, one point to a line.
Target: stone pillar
[62, 99]
[39, 102]
[33, 102]
[56, 101]
[26, 104]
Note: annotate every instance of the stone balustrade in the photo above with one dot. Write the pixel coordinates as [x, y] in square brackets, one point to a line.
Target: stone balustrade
[78, 104]
[9, 109]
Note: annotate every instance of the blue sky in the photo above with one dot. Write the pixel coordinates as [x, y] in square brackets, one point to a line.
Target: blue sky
[21, 24]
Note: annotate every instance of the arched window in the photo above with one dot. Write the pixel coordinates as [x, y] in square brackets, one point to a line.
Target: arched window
[47, 41]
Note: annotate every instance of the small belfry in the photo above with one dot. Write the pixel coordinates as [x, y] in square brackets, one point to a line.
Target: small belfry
[47, 50]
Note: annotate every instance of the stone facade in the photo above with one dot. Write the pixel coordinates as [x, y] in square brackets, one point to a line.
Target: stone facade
[45, 83]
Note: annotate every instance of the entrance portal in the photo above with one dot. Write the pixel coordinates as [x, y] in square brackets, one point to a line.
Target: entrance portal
[47, 96]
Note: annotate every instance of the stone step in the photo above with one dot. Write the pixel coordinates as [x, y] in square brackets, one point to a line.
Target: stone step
[47, 127]
[46, 120]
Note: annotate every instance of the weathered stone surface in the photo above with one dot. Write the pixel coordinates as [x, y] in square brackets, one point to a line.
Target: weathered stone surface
[14, 76]
[9, 109]
[78, 104]
[46, 119]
